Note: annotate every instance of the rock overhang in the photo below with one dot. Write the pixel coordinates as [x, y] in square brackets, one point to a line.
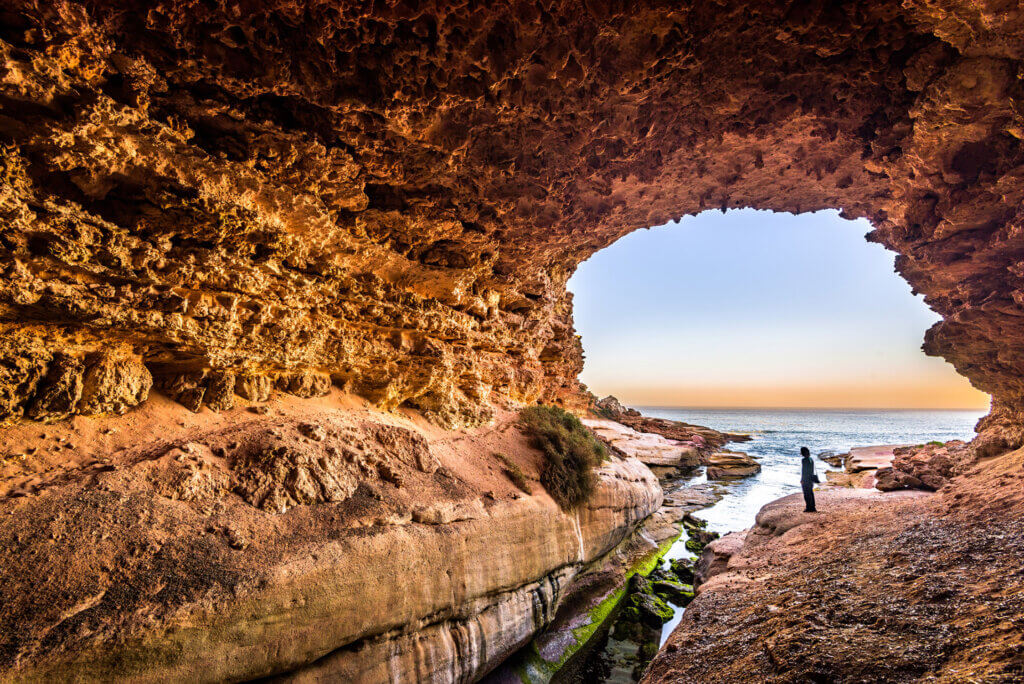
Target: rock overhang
[241, 196]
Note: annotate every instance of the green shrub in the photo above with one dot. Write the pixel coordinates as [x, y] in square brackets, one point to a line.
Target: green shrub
[571, 450]
[936, 443]
[515, 473]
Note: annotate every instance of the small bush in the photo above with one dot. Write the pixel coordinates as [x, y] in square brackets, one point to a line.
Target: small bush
[571, 450]
[936, 443]
[515, 473]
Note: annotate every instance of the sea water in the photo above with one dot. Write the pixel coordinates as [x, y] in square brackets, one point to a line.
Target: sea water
[776, 438]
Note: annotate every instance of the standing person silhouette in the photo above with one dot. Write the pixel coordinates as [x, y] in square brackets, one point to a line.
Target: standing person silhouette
[807, 480]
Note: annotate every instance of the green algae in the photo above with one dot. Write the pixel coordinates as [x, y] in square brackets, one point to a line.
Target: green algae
[533, 668]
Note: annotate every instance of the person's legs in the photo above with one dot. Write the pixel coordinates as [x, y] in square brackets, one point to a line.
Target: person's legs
[809, 499]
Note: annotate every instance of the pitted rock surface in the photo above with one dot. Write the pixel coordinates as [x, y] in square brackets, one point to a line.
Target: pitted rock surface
[393, 197]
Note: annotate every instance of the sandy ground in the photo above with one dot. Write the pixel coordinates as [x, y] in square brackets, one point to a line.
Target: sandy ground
[34, 456]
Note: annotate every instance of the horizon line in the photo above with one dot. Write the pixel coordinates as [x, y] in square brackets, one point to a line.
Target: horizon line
[811, 408]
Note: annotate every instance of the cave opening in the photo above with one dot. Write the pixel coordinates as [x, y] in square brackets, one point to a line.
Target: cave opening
[755, 309]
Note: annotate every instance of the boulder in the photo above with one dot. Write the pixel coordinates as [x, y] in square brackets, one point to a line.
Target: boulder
[610, 407]
[676, 592]
[651, 610]
[113, 384]
[928, 466]
[731, 465]
[682, 568]
[59, 391]
[715, 557]
[220, 391]
[832, 458]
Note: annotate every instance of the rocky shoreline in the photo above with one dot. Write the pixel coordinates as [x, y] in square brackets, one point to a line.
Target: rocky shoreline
[865, 590]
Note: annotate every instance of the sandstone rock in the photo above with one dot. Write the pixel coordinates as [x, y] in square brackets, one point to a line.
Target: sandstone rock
[113, 384]
[833, 459]
[728, 465]
[870, 457]
[928, 466]
[306, 384]
[444, 513]
[253, 387]
[714, 559]
[216, 232]
[648, 448]
[220, 391]
[60, 391]
[684, 432]
[610, 407]
[287, 595]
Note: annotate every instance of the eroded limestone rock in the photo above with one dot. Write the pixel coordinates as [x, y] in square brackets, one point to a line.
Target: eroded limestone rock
[401, 207]
[113, 384]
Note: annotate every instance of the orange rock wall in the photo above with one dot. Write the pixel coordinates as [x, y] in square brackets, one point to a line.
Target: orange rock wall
[242, 196]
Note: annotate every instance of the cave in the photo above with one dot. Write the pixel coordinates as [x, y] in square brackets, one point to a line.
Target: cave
[212, 204]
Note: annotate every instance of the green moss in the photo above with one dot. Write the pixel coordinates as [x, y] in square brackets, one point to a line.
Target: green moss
[936, 443]
[571, 454]
[694, 545]
[533, 668]
[515, 473]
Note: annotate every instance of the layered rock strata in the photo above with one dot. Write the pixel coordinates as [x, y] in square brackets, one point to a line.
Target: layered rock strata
[731, 465]
[391, 198]
[650, 449]
[315, 541]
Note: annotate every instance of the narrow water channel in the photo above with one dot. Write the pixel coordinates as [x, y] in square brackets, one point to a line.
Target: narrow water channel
[777, 436]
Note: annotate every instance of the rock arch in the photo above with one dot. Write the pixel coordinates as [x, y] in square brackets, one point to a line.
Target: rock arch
[243, 194]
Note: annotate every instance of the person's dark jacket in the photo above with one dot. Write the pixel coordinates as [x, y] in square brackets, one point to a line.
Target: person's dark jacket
[807, 475]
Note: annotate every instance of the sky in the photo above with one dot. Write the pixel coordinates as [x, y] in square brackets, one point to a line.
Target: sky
[758, 309]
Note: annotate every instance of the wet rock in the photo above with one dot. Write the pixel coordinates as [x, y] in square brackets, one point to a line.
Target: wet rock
[832, 458]
[693, 523]
[730, 465]
[651, 610]
[683, 569]
[678, 593]
[638, 584]
[703, 537]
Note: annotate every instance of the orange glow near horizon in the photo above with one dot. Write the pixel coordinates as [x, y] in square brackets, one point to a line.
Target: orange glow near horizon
[939, 394]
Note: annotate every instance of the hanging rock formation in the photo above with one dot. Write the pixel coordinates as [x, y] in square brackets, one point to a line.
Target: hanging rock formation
[393, 198]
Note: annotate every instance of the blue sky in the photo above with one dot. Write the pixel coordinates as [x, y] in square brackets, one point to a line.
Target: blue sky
[754, 308]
